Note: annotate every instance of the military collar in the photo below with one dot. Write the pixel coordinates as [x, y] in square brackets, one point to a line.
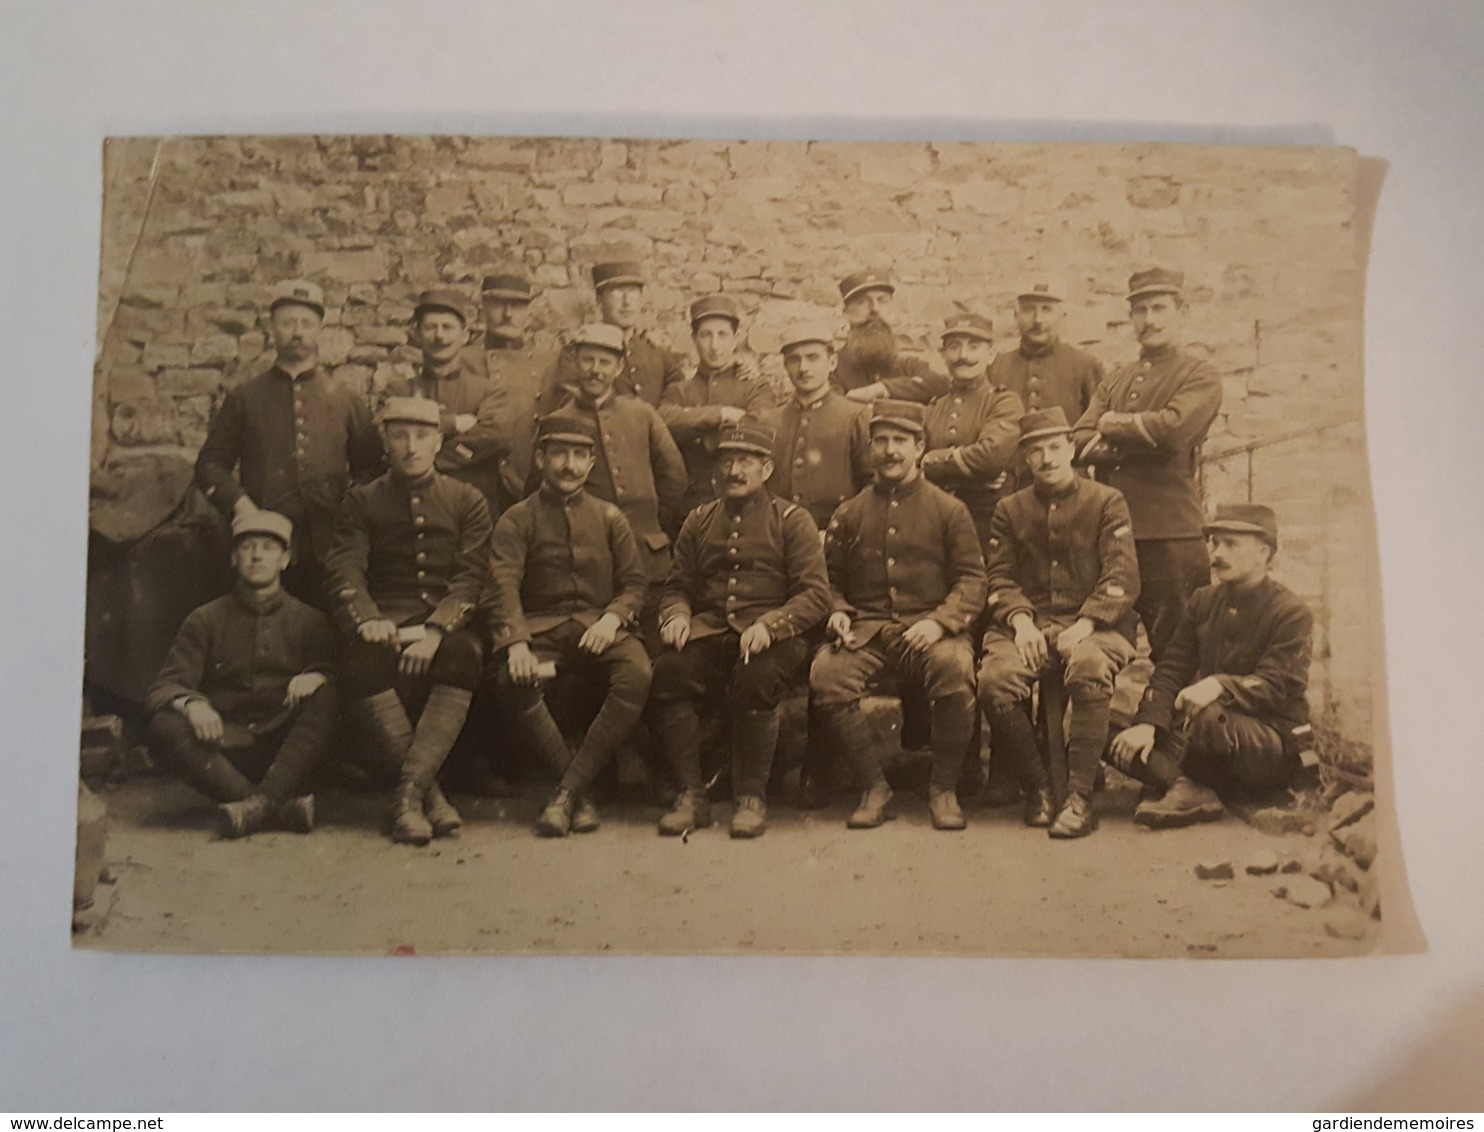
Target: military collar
[305, 376]
[1032, 352]
[747, 506]
[554, 498]
[817, 402]
[1045, 493]
[900, 491]
[454, 372]
[973, 385]
[423, 481]
[1158, 354]
[250, 600]
[712, 374]
[1235, 591]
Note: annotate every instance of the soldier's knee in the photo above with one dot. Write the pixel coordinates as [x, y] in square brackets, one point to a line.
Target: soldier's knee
[831, 679]
[1206, 728]
[1001, 685]
[948, 670]
[1089, 672]
[458, 661]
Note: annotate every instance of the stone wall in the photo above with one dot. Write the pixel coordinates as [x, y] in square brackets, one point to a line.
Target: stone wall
[196, 229]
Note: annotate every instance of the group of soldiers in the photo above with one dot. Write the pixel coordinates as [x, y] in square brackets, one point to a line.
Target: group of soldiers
[593, 525]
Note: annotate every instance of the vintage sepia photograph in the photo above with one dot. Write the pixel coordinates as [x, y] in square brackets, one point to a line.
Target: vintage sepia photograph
[570, 545]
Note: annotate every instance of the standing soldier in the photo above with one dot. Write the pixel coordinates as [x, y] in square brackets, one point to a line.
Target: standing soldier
[1063, 577]
[907, 582]
[647, 368]
[972, 429]
[296, 437]
[1143, 433]
[1044, 371]
[410, 560]
[473, 410]
[567, 588]
[525, 372]
[637, 465]
[1226, 707]
[715, 399]
[822, 443]
[243, 707]
[869, 366]
[748, 584]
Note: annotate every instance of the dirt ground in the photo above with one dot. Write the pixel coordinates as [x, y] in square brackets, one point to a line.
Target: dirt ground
[809, 885]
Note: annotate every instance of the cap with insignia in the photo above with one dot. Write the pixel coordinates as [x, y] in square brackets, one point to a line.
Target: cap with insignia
[601, 334]
[441, 299]
[872, 279]
[1043, 422]
[1044, 289]
[1246, 518]
[718, 306]
[258, 522]
[899, 414]
[411, 410]
[801, 332]
[568, 428]
[300, 291]
[617, 274]
[516, 288]
[747, 436]
[969, 325]
[1155, 281]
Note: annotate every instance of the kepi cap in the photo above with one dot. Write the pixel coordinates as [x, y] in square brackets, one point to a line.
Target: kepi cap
[1043, 288]
[616, 274]
[970, 325]
[801, 332]
[715, 306]
[1043, 422]
[514, 287]
[601, 334]
[1155, 281]
[568, 428]
[259, 522]
[873, 278]
[411, 410]
[900, 414]
[747, 436]
[441, 299]
[1246, 518]
[300, 291]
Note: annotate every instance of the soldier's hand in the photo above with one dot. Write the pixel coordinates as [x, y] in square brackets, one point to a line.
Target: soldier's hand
[731, 414]
[521, 663]
[302, 686]
[243, 506]
[755, 640]
[1132, 745]
[1073, 635]
[1030, 642]
[923, 635]
[600, 635]
[378, 631]
[1198, 695]
[205, 721]
[463, 422]
[417, 657]
[867, 393]
[747, 368]
[838, 626]
[675, 632]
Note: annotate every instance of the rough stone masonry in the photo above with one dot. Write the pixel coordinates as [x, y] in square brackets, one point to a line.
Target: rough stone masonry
[196, 229]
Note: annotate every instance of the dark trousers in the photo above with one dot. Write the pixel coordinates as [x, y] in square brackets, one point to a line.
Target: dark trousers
[1170, 570]
[278, 764]
[369, 669]
[1229, 751]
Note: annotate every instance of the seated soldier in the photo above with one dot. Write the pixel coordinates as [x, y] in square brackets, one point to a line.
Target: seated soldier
[244, 705]
[409, 563]
[1063, 577]
[1226, 707]
[747, 585]
[566, 588]
[907, 582]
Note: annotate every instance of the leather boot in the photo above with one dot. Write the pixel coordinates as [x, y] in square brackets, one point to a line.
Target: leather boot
[245, 816]
[1075, 818]
[409, 825]
[297, 814]
[944, 809]
[1184, 803]
[692, 810]
[1040, 808]
[750, 817]
[440, 813]
[556, 819]
[872, 809]
[585, 816]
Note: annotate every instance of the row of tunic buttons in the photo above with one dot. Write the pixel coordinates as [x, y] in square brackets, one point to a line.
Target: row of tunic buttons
[419, 521]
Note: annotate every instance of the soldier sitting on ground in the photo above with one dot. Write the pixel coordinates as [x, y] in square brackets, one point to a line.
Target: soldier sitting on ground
[244, 705]
[1225, 709]
[566, 588]
[409, 564]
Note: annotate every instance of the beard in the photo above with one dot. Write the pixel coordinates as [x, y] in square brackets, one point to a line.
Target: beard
[872, 347]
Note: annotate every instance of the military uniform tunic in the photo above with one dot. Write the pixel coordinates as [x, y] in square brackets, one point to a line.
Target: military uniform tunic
[648, 369]
[528, 375]
[1049, 376]
[821, 452]
[906, 379]
[476, 454]
[692, 410]
[971, 436]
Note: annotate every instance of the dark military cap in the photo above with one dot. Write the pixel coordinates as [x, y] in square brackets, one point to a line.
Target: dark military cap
[300, 291]
[411, 410]
[568, 428]
[719, 306]
[900, 414]
[1043, 288]
[617, 274]
[260, 522]
[514, 287]
[1246, 518]
[747, 436]
[441, 299]
[601, 334]
[874, 278]
[1043, 422]
[1155, 281]
[971, 326]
